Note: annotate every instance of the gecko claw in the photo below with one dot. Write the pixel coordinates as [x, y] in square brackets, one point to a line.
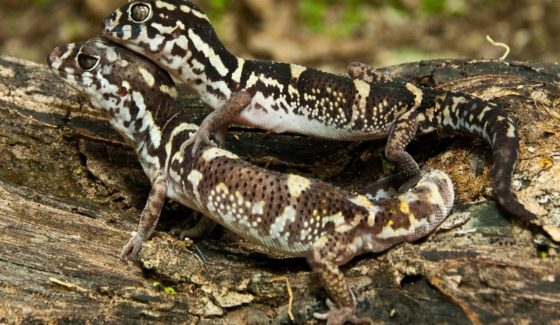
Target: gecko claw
[200, 139]
[132, 248]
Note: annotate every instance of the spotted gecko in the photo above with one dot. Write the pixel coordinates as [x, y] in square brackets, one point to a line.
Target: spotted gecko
[286, 213]
[283, 97]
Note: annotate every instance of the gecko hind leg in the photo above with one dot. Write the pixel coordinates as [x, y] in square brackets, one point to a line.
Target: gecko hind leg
[324, 257]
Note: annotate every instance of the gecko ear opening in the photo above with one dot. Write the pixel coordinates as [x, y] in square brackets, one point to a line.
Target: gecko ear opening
[87, 62]
[140, 12]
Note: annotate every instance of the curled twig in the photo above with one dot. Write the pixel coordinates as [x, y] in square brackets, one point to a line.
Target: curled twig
[502, 45]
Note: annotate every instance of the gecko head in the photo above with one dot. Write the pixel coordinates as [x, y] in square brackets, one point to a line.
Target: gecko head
[162, 30]
[113, 78]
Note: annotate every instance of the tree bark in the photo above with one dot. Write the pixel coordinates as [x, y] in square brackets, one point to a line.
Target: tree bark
[71, 191]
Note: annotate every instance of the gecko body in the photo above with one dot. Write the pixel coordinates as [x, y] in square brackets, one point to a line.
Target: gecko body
[283, 97]
[286, 213]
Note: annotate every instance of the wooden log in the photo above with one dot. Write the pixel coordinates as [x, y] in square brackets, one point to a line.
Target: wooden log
[71, 191]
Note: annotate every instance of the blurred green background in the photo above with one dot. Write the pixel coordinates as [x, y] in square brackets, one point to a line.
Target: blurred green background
[321, 33]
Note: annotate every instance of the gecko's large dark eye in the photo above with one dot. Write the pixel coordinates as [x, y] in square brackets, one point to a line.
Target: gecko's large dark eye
[87, 62]
[140, 12]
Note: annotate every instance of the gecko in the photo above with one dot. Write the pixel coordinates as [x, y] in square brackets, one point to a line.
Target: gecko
[179, 37]
[286, 213]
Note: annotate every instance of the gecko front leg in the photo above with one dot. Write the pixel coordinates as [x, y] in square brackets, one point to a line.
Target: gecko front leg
[401, 133]
[148, 219]
[218, 119]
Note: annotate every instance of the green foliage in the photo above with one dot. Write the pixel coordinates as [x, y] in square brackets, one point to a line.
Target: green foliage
[40, 3]
[431, 7]
[313, 13]
[217, 8]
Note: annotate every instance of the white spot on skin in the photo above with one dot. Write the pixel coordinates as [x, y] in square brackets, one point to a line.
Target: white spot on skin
[297, 70]
[213, 153]
[258, 208]
[297, 185]
[111, 55]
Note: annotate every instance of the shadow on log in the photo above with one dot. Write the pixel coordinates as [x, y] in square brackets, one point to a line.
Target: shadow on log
[71, 191]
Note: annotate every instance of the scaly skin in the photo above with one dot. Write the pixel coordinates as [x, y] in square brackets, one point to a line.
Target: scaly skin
[286, 213]
[290, 98]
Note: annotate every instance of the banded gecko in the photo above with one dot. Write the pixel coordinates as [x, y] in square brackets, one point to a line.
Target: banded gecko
[286, 213]
[283, 97]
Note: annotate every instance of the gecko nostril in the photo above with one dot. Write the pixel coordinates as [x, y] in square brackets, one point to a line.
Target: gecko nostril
[53, 56]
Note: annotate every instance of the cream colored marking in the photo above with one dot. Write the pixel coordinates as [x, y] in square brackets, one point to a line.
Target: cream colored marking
[362, 201]
[148, 77]
[296, 70]
[418, 94]
[359, 107]
[196, 13]
[482, 114]
[202, 46]
[447, 119]
[388, 232]
[177, 130]
[194, 178]
[147, 119]
[297, 185]
[253, 79]
[337, 219]
[171, 91]
[111, 55]
[166, 5]
[403, 205]
[258, 208]
[213, 153]
[236, 75]
[287, 216]
[511, 131]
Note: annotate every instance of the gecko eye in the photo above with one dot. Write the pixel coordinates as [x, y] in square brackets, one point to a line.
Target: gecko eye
[87, 62]
[140, 12]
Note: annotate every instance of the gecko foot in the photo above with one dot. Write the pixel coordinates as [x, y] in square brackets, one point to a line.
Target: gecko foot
[200, 138]
[131, 249]
[410, 183]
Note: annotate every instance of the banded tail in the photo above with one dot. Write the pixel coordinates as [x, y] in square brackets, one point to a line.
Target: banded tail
[473, 115]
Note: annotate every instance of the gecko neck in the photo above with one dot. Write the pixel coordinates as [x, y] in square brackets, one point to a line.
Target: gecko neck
[142, 120]
[206, 66]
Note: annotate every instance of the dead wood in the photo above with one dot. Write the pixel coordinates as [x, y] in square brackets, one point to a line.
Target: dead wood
[71, 191]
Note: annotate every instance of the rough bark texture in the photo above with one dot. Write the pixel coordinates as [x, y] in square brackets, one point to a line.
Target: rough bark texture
[71, 191]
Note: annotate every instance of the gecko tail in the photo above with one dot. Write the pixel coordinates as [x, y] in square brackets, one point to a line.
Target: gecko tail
[502, 172]
[468, 114]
